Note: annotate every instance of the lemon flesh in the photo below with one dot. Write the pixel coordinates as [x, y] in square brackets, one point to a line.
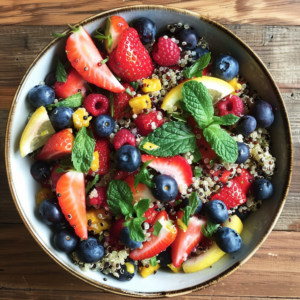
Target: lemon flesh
[214, 253]
[217, 88]
[37, 132]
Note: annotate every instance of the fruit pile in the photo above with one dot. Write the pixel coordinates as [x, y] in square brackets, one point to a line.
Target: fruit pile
[149, 154]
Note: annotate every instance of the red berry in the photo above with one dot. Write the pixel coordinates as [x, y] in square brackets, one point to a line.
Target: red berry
[96, 104]
[123, 137]
[144, 122]
[231, 105]
[151, 214]
[117, 227]
[112, 241]
[100, 198]
[122, 175]
[121, 103]
[55, 176]
[166, 53]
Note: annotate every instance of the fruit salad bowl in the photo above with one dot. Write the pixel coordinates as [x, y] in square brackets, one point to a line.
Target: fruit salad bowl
[256, 227]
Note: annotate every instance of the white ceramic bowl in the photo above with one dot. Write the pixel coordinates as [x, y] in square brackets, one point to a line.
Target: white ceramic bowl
[256, 227]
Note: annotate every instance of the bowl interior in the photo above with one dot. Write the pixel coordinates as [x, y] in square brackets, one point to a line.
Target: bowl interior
[257, 226]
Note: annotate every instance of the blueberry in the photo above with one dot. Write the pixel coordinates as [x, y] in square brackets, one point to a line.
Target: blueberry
[165, 258]
[40, 170]
[41, 95]
[65, 241]
[225, 67]
[50, 78]
[61, 118]
[199, 207]
[242, 215]
[199, 52]
[187, 38]
[89, 251]
[146, 29]
[228, 240]
[166, 188]
[64, 224]
[263, 113]
[246, 125]
[104, 125]
[262, 189]
[216, 211]
[127, 271]
[127, 241]
[243, 153]
[51, 212]
[128, 158]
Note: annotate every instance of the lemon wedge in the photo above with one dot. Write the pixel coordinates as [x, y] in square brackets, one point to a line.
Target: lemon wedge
[214, 253]
[37, 132]
[217, 88]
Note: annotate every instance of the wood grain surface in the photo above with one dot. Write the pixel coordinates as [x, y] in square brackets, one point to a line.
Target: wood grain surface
[269, 28]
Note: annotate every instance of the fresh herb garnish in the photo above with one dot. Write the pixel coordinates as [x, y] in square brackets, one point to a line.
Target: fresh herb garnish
[177, 202]
[134, 84]
[144, 176]
[190, 209]
[104, 60]
[101, 237]
[91, 184]
[157, 228]
[61, 74]
[179, 116]
[135, 228]
[198, 172]
[153, 261]
[195, 70]
[229, 119]
[197, 155]
[72, 102]
[100, 36]
[59, 35]
[128, 91]
[210, 229]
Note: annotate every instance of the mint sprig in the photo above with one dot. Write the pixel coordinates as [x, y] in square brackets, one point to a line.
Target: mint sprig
[61, 74]
[229, 119]
[153, 261]
[107, 36]
[134, 84]
[196, 69]
[72, 102]
[198, 172]
[210, 229]
[157, 228]
[190, 209]
[144, 176]
[135, 228]
[91, 184]
[197, 155]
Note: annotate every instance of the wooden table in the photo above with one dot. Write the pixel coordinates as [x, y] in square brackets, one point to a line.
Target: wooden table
[270, 27]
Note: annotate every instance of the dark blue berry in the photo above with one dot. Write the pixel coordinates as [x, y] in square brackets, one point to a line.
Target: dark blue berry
[225, 67]
[40, 170]
[146, 29]
[50, 212]
[63, 225]
[165, 258]
[216, 211]
[41, 95]
[166, 188]
[89, 251]
[65, 241]
[128, 158]
[246, 125]
[104, 125]
[228, 240]
[199, 207]
[242, 215]
[50, 78]
[262, 189]
[127, 241]
[199, 52]
[127, 271]
[263, 113]
[243, 153]
[187, 38]
[61, 118]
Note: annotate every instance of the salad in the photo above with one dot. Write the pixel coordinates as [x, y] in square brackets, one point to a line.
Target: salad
[149, 150]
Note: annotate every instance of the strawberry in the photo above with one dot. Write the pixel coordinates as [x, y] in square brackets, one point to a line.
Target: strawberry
[123, 137]
[86, 59]
[70, 191]
[130, 60]
[100, 198]
[176, 166]
[144, 122]
[222, 175]
[245, 180]
[54, 177]
[59, 145]
[151, 214]
[186, 240]
[74, 84]
[232, 196]
[117, 227]
[158, 243]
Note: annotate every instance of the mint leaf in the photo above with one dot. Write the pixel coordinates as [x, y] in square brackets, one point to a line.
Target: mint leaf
[172, 138]
[104, 60]
[135, 229]
[59, 35]
[111, 102]
[229, 119]
[72, 101]
[191, 208]
[83, 150]
[157, 228]
[128, 91]
[179, 116]
[91, 184]
[178, 202]
[221, 142]
[61, 74]
[187, 211]
[60, 170]
[197, 155]
[144, 176]
[198, 173]
[210, 229]
[119, 197]
[153, 261]
[101, 237]
[198, 66]
[141, 207]
[134, 84]
[198, 102]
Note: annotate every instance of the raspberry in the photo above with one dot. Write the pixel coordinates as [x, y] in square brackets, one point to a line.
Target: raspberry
[165, 52]
[121, 102]
[146, 123]
[123, 137]
[117, 227]
[122, 175]
[112, 241]
[101, 197]
[96, 104]
[231, 105]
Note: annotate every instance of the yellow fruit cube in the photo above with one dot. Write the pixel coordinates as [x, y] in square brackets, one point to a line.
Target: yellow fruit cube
[175, 269]
[96, 222]
[145, 272]
[139, 103]
[42, 195]
[95, 162]
[81, 118]
[151, 85]
[233, 82]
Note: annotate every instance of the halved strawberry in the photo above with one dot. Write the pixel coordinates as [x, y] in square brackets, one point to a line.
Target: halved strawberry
[74, 84]
[222, 175]
[70, 191]
[176, 166]
[54, 177]
[244, 179]
[151, 214]
[86, 59]
[59, 145]
[158, 243]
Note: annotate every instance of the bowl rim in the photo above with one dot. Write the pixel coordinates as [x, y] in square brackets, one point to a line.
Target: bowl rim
[268, 230]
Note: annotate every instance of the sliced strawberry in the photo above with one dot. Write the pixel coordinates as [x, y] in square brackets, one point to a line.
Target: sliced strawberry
[158, 243]
[70, 191]
[74, 84]
[232, 196]
[222, 175]
[117, 227]
[151, 214]
[186, 240]
[176, 166]
[244, 179]
[59, 145]
[55, 176]
[86, 59]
